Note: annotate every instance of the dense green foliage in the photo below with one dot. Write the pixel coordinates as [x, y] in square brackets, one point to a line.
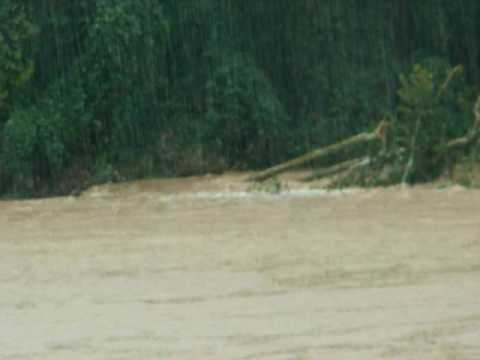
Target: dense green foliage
[15, 29]
[174, 87]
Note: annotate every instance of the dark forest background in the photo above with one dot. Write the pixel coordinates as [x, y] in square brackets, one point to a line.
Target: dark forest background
[109, 89]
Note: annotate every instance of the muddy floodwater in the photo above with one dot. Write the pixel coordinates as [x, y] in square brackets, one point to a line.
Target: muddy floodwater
[201, 268]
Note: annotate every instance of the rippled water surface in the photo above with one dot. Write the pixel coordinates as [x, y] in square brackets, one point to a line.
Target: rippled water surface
[201, 268]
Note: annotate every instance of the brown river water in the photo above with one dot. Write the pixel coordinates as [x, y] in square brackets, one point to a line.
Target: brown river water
[200, 268]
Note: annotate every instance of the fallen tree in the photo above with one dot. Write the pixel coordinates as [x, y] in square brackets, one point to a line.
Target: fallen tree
[418, 143]
[377, 134]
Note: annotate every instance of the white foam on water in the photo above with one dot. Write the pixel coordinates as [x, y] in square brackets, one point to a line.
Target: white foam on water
[298, 193]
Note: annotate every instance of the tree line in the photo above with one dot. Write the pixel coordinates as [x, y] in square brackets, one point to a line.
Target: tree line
[102, 89]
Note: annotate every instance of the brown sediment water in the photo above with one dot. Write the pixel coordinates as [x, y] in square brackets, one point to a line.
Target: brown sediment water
[201, 268]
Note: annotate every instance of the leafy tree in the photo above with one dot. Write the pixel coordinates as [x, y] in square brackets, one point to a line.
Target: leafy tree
[434, 107]
[244, 116]
[15, 30]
